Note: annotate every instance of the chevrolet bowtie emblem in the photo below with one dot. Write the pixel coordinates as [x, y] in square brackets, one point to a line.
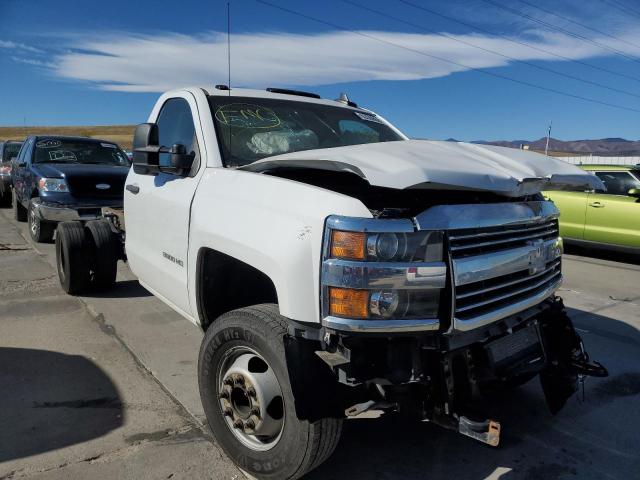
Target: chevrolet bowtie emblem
[537, 257]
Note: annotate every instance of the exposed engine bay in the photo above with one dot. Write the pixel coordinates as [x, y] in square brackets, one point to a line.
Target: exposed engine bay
[386, 202]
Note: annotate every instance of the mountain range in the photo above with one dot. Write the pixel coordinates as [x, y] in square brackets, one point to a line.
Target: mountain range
[603, 146]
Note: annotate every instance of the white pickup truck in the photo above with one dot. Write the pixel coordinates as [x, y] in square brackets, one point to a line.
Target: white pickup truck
[337, 266]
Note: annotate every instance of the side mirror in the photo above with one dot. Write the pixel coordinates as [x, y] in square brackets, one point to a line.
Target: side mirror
[145, 136]
[146, 153]
[634, 192]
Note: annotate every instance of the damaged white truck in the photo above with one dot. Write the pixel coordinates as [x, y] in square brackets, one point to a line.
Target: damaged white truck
[337, 266]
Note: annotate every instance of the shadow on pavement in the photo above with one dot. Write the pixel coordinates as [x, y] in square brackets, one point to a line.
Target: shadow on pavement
[592, 438]
[50, 400]
[602, 253]
[121, 289]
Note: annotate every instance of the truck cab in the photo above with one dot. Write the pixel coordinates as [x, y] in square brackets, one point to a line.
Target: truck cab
[337, 266]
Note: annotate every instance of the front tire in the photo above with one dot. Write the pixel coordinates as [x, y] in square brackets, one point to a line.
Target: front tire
[40, 230]
[19, 212]
[242, 365]
[5, 198]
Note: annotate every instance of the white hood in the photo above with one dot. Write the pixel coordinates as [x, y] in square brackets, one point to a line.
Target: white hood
[439, 164]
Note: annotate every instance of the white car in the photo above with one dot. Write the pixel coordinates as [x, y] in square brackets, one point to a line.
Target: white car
[336, 266]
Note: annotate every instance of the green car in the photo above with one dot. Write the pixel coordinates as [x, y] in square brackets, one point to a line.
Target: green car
[608, 219]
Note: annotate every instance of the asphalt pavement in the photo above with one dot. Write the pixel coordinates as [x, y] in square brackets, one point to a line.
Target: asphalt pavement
[105, 386]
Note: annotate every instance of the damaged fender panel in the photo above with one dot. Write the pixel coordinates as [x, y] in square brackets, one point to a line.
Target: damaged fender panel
[437, 164]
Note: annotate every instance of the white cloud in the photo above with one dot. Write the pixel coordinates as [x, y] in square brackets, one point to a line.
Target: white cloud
[153, 63]
[18, 47]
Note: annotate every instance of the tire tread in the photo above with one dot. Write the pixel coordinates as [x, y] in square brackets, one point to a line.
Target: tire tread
[324, 434]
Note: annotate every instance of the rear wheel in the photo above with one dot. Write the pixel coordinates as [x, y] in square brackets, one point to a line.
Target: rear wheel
[72, 257]
[246, 387]
[40, 230]
[104, 249]
[19, 212]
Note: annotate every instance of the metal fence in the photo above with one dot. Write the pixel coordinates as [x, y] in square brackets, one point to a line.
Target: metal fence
[597, 160]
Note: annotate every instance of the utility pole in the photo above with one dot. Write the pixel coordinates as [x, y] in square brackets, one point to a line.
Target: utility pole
[546, 148]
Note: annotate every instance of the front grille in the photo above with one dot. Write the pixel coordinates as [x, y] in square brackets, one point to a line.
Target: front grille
[502, 270]
[476, 241]
[85, 187]
[479, 298]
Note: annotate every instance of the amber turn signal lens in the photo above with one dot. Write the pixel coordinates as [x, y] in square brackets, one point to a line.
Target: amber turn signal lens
[347, 302]
[349, 245]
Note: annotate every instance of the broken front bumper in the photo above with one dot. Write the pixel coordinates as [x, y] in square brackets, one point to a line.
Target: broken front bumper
[53, 212]
[443, 381]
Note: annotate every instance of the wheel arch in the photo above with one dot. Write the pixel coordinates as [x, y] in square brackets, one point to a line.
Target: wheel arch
[236, 285]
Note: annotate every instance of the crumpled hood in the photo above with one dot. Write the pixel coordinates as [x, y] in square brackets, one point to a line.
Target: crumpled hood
[439, 164]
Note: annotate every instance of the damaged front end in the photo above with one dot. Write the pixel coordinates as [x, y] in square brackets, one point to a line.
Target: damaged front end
[427, 315]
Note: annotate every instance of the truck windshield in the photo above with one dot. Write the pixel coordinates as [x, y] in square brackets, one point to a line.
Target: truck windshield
[11, 150]
[60, 150]
[254, 128]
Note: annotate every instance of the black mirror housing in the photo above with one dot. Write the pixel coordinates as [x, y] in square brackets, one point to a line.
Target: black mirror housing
[145, 136]
[147, 150]
[634, 192]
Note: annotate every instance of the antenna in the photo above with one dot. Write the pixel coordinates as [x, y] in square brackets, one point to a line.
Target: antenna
[229, 73]
[229, 46]
[546, 148]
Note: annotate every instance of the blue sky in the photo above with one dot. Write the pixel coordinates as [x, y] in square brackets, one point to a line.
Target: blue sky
[74, 62]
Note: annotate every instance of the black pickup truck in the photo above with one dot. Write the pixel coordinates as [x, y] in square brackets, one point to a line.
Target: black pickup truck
[58, 178]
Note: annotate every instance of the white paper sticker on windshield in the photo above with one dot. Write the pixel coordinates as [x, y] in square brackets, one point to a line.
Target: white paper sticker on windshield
[50, 143]
[63, 156]
[368, 117]
[108, 145]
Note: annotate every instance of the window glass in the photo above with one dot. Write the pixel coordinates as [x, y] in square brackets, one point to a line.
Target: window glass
[25, 151]
[357, 133]
[175, 125]
[61, 150]
[11, 150]
[254, 128]
[618, 183]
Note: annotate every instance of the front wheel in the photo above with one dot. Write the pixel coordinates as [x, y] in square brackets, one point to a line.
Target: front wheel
[19, 212]
[247, 393]
[40, 230]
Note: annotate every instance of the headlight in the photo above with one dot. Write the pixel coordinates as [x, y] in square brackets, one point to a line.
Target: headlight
[371, 272]
[425, 246]
[5, 170]
[53, 185]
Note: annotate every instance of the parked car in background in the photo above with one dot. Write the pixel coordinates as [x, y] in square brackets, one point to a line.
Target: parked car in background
[59, 178]
[8, 150]
[609, 219]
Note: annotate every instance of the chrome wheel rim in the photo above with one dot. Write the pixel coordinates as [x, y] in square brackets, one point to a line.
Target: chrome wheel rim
[250, 397]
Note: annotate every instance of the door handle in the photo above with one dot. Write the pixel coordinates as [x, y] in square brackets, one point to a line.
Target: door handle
[596, 205]
[133, 188]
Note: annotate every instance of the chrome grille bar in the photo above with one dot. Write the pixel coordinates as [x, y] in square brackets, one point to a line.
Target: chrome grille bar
[511, 293]
[525, 278]
[545, 234]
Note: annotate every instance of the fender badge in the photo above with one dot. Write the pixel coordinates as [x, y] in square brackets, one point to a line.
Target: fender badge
[103, 186]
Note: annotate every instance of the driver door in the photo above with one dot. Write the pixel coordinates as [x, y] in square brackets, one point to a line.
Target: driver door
[158, 209]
